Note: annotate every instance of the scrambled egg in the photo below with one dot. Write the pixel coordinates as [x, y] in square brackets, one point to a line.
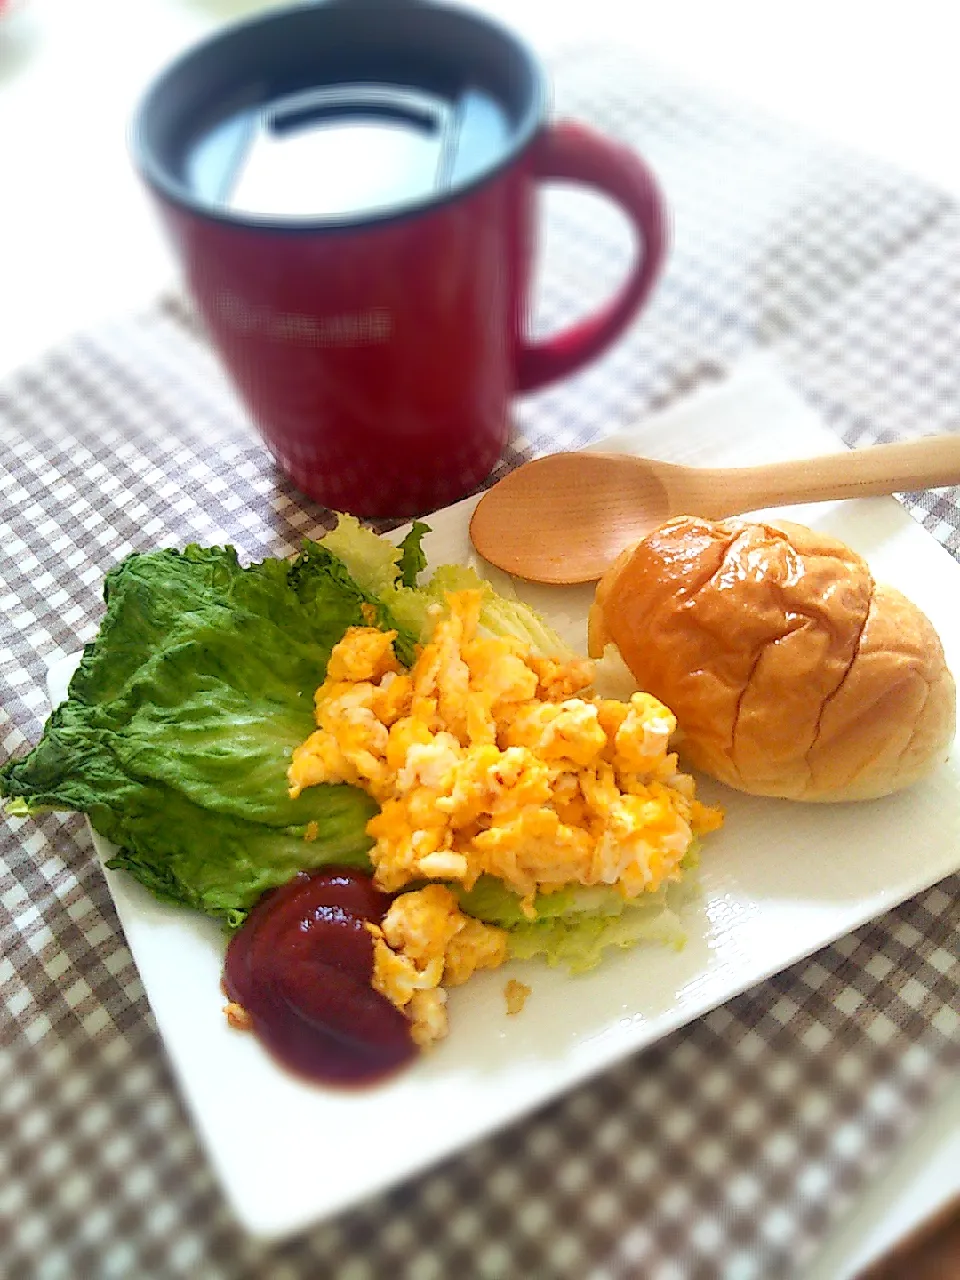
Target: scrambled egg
[488, 759]
[423, 940]
[515, 993]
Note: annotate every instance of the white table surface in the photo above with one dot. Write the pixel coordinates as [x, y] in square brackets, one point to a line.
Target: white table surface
[78, 242]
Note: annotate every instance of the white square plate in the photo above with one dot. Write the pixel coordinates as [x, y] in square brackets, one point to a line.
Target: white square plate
[778, 882]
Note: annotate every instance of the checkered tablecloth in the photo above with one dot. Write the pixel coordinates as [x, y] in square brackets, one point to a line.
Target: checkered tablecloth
[727, 1150]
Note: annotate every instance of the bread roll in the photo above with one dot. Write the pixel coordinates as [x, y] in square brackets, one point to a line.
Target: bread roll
[791, 673]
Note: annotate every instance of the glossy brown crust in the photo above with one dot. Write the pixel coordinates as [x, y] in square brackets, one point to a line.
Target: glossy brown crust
[790, 671]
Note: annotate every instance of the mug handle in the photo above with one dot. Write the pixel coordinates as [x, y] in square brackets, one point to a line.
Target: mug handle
[569, 152]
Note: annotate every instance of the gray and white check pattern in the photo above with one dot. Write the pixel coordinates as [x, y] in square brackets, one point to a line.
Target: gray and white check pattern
[728, 1149]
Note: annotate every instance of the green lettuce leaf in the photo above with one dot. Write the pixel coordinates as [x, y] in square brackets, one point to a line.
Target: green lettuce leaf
[390, 573]
[372, 562]
[413, 559]
[500, 615]
[182, 716]
[578, 942]
[317, 571]
[574, 926]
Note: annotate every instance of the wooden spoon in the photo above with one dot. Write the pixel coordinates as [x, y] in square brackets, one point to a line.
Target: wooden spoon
[565, 518]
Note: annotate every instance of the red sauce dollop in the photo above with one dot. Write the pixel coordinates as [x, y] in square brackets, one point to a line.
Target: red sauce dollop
[301, 966]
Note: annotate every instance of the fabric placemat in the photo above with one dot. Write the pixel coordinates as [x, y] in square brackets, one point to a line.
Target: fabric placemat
[730, 1148]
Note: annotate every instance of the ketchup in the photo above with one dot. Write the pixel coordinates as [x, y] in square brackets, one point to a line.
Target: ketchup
[301, 966]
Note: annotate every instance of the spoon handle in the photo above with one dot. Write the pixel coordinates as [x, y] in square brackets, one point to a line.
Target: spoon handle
[882, 469]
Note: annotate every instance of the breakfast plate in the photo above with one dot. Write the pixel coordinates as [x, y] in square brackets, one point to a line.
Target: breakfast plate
[778, 882]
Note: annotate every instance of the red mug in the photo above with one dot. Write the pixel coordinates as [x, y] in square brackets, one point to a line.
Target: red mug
[377, 333]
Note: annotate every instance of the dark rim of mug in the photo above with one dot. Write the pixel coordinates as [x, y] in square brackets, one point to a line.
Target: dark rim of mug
[177, 193]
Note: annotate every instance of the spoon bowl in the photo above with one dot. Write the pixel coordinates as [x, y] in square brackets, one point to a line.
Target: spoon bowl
[565, 518]
[528, 523]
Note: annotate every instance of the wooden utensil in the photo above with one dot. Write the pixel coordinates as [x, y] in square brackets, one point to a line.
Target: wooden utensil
[565, 518]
